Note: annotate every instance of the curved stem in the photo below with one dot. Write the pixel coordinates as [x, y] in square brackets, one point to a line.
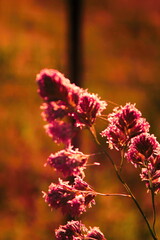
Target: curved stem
[154, 211]
[122, 160]
[92, 164]
[92, 130]
[113, 194]
[103, 118]
[113, 103]
[106, 194]
[153, 201]
[152, 197]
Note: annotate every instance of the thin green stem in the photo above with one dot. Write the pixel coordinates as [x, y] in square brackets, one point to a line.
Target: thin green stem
[92, 130]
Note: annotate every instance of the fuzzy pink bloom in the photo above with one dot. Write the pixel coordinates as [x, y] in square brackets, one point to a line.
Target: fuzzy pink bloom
[151, 174]
[115, 137]
[155, 179]
[70, 198]
[53, 86]
[76, 206]
[142, 149]
[124, 124]
[54, 110]
[75, 230]
[89, 107]
[80, 184]
[65, 99]
[95, 233]
[125, 114]
[61, 132]
[68, 161]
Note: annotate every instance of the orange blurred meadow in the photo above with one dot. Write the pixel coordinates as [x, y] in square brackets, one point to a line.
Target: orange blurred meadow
[121, 62]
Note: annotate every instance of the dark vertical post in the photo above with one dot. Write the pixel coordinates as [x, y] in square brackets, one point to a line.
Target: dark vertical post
[75, 14]
[75, 8]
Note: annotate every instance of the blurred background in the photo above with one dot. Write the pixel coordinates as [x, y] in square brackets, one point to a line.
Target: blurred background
[119, 58]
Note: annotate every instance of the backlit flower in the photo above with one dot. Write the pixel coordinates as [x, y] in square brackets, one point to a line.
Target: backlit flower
[115, 137]
[89, 107]
[70, 198]
[60, 131]
[95, 233]
[64, 99]
[71, 231]
[124, 124]
[152, 178]
[142, 149]
[75, 230]
[54, 110]
[53, 86]
[71, 162]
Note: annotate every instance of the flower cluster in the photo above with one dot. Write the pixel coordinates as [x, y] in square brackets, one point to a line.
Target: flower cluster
[75, 230]
[124, 124]
[66, 106]
[72, 199]
[71, 162]
[144, 151]
[128, 131]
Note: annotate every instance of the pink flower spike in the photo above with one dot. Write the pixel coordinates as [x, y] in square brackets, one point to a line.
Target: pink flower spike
[89, 107]
[95, 233]
[115, 138]
[68, 161]
[73, 230]
[142, 149]
[124, 124]
[61, 132]
[75, 206]
[54, 110]
[69, 198]
[155, 179]
[127, 113]
[52, 85]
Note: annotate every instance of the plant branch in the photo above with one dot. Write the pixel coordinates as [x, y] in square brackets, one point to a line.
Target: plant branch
[154, 210]
[92, 130]
[114, 194]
